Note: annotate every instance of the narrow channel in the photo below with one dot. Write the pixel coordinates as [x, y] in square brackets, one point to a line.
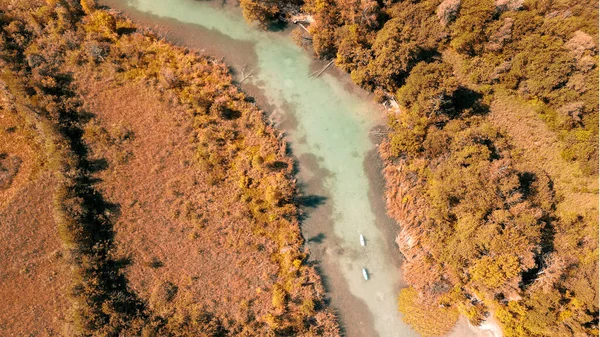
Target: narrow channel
[327, 122]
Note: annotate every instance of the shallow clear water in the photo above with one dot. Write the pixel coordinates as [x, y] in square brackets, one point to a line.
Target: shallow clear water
[332, 125]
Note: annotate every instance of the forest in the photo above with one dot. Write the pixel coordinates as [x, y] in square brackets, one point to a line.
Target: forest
[78, 86]
[492, 151]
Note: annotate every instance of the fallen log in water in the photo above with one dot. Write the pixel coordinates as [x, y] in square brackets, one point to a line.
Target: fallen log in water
[317, 74]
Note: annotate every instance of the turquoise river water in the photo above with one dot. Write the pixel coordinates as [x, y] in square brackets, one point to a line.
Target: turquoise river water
[327, 122]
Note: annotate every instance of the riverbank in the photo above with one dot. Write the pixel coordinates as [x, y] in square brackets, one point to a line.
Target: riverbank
[330, 128]
[333, 200]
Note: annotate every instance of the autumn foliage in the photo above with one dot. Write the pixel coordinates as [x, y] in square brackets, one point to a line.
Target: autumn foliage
[480, 233]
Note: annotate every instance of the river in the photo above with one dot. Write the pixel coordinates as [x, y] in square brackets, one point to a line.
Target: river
[327, 121]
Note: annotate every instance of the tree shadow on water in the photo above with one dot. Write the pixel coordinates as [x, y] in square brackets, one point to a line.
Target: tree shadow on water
[277, 26]
[319, 238]
[311, 201]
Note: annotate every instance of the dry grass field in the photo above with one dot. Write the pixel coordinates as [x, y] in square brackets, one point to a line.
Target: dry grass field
[33, 280]
[172, 224]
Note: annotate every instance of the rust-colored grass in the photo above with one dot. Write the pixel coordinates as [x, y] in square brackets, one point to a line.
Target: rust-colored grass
[172, 224]
[34, 281]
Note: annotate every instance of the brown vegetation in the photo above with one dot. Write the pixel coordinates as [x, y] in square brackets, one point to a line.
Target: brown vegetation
[33, 280]
[173, 199]
[420, 315]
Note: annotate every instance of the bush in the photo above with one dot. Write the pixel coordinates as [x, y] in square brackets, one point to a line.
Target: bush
[429, 320]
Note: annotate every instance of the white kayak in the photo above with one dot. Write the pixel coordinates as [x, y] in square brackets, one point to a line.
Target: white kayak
[365, 274]
[362, 241]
